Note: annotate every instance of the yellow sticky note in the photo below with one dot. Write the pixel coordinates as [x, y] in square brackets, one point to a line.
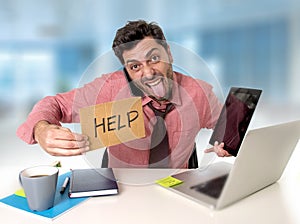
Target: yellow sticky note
[169, 182]
[20, 192]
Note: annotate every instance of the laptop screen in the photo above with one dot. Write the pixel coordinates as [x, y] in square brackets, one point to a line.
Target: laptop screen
[235, 118]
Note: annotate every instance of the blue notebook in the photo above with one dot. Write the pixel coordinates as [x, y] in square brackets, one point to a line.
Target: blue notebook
[62, 202]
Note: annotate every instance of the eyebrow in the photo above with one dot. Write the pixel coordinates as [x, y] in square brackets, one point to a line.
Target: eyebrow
[147, 55]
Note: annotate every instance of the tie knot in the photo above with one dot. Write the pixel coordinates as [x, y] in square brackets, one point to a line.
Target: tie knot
[160, 112]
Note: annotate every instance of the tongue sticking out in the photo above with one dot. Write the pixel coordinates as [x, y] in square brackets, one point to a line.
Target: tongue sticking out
[159, 89]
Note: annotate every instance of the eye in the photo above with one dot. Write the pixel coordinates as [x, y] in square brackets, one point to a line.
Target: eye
[134, 67]
[154, 58]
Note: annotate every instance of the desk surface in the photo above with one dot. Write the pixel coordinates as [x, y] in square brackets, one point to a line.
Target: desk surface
[143, 201]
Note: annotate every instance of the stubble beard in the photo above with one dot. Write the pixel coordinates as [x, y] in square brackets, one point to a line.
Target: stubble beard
[167, 85]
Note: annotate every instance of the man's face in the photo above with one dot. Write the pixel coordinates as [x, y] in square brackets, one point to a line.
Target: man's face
[149, 65]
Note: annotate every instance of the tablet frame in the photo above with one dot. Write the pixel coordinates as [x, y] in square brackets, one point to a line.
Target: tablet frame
[226, 130]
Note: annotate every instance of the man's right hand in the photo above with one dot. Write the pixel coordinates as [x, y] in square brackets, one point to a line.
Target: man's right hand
[60, 141]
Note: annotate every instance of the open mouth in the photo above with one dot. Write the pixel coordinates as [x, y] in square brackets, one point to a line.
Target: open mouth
[153, 83]
[157, 87]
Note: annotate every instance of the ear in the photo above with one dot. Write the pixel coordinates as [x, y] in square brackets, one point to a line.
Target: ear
[170, 54]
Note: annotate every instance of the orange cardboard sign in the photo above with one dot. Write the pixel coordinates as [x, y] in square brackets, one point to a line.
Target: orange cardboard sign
[113, 122]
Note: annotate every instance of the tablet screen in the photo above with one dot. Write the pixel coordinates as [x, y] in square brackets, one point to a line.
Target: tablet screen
[235, 118]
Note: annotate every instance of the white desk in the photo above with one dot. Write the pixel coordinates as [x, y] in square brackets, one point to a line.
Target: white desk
[150, 203]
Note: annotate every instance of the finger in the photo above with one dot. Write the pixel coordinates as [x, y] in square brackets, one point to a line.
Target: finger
[66, 134]
[219, 149]
[64, 128]
[67, 152]
[67, 144]
[227, 154]
[209, 150]
[223, 153]
[73, 136]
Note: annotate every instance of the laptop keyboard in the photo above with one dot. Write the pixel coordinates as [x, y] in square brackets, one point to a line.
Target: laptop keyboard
[213, 187]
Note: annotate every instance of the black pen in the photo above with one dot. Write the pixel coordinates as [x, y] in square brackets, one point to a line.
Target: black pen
[64, 186]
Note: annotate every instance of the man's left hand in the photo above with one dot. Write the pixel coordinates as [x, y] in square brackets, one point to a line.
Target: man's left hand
[218, 149]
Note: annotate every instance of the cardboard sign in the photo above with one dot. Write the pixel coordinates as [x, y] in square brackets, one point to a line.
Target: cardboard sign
[113, 122]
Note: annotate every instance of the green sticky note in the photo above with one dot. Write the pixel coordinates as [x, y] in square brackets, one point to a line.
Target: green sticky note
[20, 192]
[169, 182]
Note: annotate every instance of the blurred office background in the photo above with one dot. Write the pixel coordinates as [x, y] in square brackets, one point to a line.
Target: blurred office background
[46, 46]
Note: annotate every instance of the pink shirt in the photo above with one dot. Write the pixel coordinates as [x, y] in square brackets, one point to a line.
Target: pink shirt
[196, 107]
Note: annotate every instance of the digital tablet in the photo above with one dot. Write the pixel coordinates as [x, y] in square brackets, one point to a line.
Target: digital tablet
[235, 118]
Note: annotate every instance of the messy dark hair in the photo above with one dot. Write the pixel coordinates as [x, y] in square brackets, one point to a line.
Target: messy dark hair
[128, 36]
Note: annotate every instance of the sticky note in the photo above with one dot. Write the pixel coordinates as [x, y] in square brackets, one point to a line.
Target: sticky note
[169, 182]
[20, 192]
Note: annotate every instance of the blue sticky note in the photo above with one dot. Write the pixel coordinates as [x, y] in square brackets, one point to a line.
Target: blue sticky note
[62, 202]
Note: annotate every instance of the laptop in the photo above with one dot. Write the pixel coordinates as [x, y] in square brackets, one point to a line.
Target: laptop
[260, 162]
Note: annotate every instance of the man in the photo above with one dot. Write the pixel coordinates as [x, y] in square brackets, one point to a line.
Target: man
[142, 48]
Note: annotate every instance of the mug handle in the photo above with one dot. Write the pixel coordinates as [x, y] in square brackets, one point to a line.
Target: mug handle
[20, 179]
